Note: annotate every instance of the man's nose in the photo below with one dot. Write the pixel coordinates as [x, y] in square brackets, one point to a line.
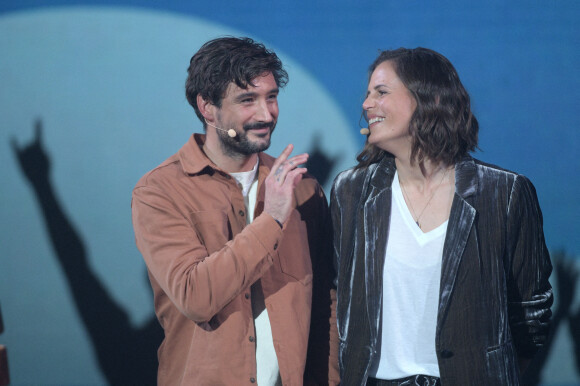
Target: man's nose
[264, 112]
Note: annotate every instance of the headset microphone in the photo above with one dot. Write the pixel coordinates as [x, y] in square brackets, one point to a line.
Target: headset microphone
[231, 132]
[363, 130]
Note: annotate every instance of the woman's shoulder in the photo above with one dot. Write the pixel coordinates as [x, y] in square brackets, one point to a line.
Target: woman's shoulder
[351, 174]
[490, 175]
[348, 183]
[353, 177]
[495, 171]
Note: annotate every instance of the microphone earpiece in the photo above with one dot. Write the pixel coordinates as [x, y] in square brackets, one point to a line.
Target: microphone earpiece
[231, 132]
[364, 131]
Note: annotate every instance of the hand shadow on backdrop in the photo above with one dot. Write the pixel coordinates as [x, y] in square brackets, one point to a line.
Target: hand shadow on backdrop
[320, 164]
[126, 355]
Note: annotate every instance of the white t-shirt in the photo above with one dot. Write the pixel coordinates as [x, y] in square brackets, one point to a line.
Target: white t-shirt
[411, 279]
[268, 372]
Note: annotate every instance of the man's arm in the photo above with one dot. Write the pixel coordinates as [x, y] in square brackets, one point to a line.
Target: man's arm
[201, 282]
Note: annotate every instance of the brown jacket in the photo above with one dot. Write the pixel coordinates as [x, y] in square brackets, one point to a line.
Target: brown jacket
[190, 226]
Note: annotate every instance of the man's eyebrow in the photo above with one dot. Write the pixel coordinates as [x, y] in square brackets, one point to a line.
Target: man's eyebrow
[245, 95]
[253, 94]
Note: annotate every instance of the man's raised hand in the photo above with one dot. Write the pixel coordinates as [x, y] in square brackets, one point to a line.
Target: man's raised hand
[280, 183]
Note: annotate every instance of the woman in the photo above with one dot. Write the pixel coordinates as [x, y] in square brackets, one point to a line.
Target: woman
[442, 264]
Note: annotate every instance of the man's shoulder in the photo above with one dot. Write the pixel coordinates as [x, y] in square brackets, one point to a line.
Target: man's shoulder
[167, 170]
[186, 161]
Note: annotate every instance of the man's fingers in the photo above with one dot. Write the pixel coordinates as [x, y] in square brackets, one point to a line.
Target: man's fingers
[283, 157]
[289, 166]
[294, 176]
[297, 160]
[294, 162]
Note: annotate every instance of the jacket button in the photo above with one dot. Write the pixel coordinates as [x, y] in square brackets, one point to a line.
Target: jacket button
[247, 296]
[253, 380]
[241, 213]
[275, 246]
[446, 353]
[251, 338]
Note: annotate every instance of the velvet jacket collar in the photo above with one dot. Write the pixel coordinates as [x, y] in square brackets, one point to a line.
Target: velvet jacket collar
[460, 222]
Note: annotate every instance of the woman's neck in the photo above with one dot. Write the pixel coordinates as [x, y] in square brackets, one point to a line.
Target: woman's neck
[424, 176]
[428, 190]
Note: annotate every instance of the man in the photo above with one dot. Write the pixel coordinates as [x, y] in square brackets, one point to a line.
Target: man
[236, 243]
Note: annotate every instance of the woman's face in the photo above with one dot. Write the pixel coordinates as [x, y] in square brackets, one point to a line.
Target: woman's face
[389, 107]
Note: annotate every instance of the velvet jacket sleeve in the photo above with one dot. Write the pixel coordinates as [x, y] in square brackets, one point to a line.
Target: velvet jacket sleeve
[529, 292]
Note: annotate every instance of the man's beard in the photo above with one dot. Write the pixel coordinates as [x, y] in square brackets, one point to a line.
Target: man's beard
[240, 145]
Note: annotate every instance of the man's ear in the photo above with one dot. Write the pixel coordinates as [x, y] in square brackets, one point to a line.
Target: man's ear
[206, 108]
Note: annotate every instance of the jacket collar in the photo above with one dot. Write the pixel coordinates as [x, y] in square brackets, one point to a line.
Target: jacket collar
[194, 161]
[192, 158]
[383, 174]
[466, 179]
[461, 220]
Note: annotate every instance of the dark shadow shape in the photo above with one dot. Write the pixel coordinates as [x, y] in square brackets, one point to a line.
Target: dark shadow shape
[319, 164]
[566, 287]
[4, 373]
[126, 355]
[319, 234]
[574, 324]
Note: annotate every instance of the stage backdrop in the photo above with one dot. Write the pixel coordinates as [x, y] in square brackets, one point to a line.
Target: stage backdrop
[92, 97]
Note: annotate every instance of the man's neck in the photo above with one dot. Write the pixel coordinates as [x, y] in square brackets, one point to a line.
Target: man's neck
[229, 163]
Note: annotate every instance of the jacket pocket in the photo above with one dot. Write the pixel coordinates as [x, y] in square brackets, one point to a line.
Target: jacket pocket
[294, 251]
[212, 228]
[502, 365]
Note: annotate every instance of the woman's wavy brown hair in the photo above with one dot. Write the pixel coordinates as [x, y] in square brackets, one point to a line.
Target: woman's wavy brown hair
[442, 128]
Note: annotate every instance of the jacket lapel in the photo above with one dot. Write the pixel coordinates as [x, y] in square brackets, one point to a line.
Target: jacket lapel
[376, 229]
[459, 227]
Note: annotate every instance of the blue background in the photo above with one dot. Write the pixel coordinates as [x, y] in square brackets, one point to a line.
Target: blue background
[519, 60]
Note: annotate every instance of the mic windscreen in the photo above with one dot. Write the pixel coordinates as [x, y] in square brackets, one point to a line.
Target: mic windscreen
[231, 132]
[364, 131]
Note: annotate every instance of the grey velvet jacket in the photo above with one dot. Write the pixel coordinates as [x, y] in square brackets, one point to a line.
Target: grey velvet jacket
[495, 298]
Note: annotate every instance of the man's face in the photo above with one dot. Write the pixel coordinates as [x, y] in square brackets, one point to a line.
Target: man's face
[252, 113]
